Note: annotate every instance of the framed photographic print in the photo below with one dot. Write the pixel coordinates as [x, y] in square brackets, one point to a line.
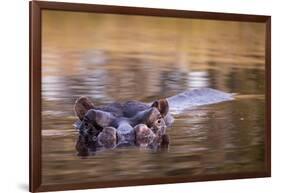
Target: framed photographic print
[123, 96]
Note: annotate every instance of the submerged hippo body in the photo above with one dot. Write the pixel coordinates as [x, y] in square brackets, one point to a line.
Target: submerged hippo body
[137, 123]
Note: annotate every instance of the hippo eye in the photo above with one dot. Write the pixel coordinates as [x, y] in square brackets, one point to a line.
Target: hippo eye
[159, 121]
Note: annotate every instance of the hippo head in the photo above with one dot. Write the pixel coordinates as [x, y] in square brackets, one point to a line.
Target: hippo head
[145, 124]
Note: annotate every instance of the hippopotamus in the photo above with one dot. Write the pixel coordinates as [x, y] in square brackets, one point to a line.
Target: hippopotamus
[134, 122]
[131, 122]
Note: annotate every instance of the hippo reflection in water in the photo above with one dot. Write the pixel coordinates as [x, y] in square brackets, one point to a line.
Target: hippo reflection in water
[135, 123]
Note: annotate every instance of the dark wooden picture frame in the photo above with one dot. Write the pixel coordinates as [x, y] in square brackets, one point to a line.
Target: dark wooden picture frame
[36, 8]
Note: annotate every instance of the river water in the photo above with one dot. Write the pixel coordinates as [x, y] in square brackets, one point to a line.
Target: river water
[118, 58]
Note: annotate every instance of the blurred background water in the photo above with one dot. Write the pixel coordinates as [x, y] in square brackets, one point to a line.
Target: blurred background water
[117, 58]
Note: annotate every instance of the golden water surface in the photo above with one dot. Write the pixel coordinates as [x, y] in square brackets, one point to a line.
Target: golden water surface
[116, 58]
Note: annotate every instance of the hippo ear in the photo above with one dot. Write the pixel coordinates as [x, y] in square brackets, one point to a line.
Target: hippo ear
[82, 105]
[162, 105]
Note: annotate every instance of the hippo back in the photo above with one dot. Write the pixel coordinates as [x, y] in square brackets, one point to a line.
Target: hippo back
[197, 97]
